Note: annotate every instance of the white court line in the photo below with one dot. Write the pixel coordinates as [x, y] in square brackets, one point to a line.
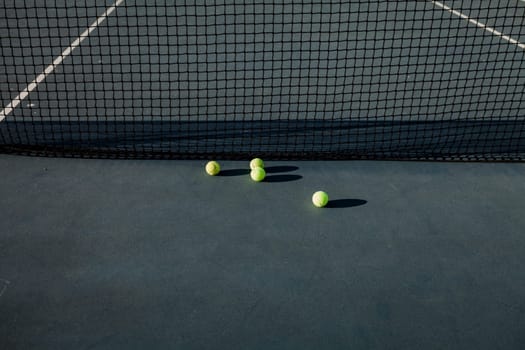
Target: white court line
[22, 96]
[481, 25]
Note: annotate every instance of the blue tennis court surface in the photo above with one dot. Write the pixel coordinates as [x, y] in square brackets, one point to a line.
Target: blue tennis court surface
[109, 254]
[155, 254]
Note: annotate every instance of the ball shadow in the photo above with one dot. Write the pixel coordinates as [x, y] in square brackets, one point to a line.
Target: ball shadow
[234, 172]
[282, 178]
[345, 203]
[280, 169]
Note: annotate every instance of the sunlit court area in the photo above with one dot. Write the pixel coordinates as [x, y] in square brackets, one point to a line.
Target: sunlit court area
[245, 174]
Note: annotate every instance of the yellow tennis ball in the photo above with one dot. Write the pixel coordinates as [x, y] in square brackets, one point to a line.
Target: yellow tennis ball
[213, 168]
[258, 174]
[320, 199]
[256, 163]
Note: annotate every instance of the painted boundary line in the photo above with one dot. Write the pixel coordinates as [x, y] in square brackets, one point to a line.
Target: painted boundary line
[479, 24]
[49, 69]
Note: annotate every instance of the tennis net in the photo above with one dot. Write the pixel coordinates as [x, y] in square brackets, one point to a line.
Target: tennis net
[231, 79]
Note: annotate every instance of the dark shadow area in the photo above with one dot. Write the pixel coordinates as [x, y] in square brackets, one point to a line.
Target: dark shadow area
[234, 172]
[345, 203]
[282, 178]
[280, 169]
[467, 140]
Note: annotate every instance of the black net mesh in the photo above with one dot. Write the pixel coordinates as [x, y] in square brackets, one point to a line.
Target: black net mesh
[331, 79]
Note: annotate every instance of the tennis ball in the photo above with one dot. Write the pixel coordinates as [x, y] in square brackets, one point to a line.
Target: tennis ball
[213, 168]
[258, 174]
[320, 199]
[256, 163]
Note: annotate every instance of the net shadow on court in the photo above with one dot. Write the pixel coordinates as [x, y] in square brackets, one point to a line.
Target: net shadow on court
[304, 139]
